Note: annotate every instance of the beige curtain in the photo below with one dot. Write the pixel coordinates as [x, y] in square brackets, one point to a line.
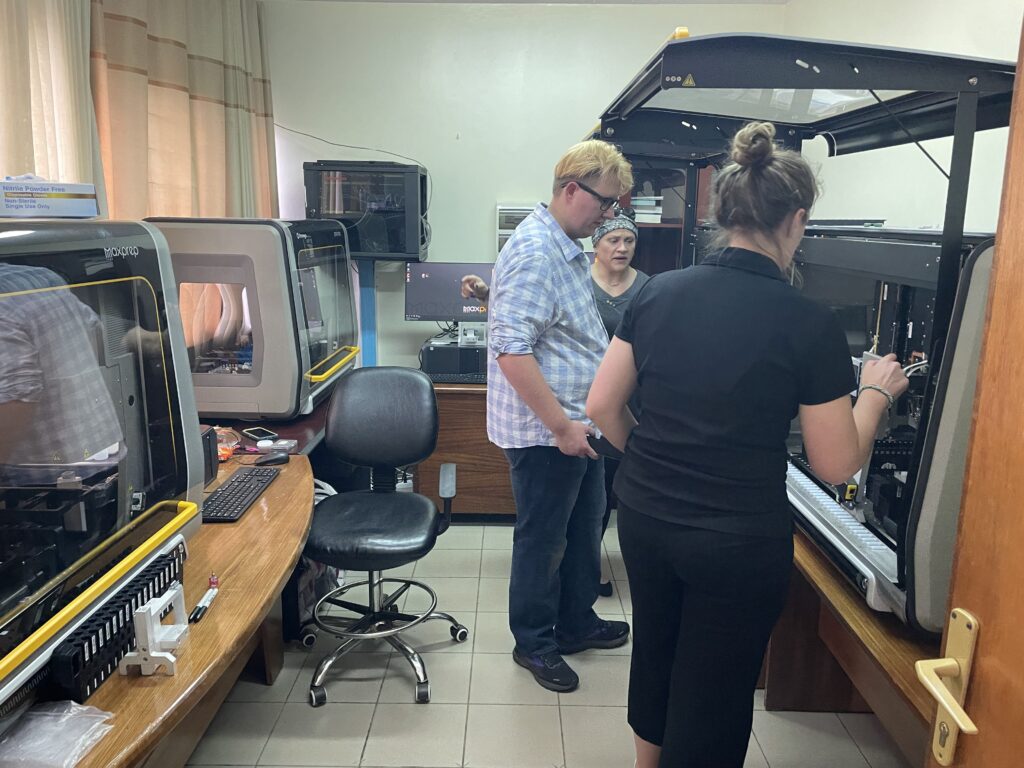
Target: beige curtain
[47, 126]
[182, 99]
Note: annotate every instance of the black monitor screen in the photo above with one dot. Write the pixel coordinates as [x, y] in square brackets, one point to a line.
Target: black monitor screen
[433, 291]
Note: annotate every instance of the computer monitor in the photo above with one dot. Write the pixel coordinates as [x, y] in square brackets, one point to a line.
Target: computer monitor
[433, 291]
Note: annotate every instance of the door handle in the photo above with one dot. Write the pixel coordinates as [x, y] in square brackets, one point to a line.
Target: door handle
[946, 680]
[930, 672]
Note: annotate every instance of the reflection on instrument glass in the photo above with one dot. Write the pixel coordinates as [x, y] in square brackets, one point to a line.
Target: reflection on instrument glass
[219, 330]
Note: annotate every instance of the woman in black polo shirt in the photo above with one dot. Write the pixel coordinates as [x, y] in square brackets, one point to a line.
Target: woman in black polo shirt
[724, 355]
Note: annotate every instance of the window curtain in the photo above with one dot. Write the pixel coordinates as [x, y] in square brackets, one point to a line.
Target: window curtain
[182, 101]
[47, 127]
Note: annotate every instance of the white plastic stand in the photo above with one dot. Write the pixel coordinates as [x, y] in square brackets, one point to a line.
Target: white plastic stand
[472, 334]
[154, 640]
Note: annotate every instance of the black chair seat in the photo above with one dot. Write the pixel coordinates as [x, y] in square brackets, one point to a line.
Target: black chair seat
[367, 531]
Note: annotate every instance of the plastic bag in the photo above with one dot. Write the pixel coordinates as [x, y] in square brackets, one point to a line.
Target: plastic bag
[315, 581]
[56, 734]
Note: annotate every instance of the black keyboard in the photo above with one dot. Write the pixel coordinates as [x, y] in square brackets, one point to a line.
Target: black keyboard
[458, 378]
[238, 492]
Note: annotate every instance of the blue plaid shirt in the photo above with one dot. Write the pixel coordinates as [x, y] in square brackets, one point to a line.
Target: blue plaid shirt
[541, 304]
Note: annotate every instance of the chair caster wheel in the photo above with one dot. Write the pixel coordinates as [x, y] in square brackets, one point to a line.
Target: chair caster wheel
[317, 696]
[422, 693]
[307, 634]
[460, 634]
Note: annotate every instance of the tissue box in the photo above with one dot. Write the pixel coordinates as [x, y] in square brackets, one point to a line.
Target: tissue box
[47, 199]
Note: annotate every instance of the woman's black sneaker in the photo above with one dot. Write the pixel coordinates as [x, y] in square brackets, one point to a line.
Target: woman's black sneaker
[549, 670]
[604, 589]
[607, 634]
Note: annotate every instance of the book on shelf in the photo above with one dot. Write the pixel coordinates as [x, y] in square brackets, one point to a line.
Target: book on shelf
[648, 217]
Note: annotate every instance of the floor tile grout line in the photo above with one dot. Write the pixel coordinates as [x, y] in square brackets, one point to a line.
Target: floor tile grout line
[561, 733]
[369, 728]
[469, 698]
[854, 740]
[272, 728]
[758, 742]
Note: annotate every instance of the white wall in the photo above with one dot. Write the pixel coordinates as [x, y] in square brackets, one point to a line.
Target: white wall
[488, 96]
[899, 184]
[485, 96]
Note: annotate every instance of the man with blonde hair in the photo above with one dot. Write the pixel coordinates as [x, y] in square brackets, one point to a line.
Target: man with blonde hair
[546, 341]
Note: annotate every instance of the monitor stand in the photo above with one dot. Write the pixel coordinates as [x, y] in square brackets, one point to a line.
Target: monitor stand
[472, 334]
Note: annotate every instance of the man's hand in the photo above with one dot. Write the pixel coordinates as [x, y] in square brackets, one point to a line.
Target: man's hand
[572, 440]
[474, 287]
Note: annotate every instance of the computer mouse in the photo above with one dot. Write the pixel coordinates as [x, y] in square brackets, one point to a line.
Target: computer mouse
[272, 458]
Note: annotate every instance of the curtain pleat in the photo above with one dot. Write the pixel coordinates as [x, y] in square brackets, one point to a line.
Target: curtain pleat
[183, 113]
[48, 128]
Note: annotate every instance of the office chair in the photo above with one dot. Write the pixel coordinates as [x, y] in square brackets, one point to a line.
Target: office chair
[383, 418]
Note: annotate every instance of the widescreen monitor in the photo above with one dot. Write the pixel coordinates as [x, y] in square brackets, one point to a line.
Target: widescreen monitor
[433, 291]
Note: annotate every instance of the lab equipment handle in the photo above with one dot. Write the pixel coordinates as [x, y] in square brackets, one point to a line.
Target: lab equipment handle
[316, 378]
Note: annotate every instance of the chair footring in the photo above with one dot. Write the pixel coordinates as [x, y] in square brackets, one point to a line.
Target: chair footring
[374, 623]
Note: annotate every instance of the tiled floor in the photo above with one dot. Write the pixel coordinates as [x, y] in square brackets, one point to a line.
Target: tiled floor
[485, 712]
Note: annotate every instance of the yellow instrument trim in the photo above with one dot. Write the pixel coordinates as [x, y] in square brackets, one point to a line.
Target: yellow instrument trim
[316, 378]
[30, 645]
[320, 247]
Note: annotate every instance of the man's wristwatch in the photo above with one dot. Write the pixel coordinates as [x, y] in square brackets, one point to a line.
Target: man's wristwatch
[883, 390]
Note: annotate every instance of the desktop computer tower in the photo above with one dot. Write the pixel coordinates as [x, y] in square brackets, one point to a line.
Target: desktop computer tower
[440, 356]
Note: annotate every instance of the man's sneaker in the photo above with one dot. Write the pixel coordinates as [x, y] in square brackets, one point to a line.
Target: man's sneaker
[549, 670]
[607, 634]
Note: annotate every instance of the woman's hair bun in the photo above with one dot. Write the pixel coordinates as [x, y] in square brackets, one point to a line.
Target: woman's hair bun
[753, 144]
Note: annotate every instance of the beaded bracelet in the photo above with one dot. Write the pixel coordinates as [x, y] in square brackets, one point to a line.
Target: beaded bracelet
[883, 390]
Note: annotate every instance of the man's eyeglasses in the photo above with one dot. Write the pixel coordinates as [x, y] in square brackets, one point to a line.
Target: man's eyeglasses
[606, 202]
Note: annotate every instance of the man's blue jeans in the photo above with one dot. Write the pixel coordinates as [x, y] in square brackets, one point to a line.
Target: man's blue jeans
[556, 551]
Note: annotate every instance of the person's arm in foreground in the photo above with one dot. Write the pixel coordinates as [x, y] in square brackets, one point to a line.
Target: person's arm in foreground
[838, 437]
[607, 405]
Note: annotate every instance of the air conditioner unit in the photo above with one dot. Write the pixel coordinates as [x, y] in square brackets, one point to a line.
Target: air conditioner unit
[509, 217]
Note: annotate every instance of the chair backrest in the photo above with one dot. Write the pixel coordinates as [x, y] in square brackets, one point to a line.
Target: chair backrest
[382, 417]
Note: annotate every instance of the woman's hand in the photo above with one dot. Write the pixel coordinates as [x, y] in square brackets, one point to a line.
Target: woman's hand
[885, 373]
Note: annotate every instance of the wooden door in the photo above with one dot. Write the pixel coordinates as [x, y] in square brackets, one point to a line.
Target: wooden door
[988, 577]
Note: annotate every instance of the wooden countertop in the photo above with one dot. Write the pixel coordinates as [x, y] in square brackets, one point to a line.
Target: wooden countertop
[307, 430]
[253, 558]
[884, 637]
